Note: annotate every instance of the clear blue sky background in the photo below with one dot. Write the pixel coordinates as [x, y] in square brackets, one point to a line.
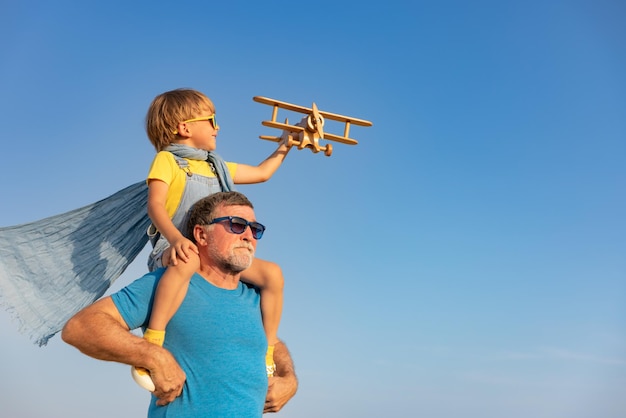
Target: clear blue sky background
[465, 259]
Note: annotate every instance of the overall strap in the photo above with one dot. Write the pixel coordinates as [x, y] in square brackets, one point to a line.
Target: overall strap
[183, 164]
[216, 162]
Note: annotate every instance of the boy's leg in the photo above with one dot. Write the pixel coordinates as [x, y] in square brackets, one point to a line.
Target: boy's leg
[171, 292]
[268, 277]
[168, 297]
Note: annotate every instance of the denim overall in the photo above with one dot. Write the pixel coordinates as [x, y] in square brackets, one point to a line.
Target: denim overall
[196, 187]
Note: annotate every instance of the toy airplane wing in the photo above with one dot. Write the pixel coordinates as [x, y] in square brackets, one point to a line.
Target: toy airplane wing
[308, 132]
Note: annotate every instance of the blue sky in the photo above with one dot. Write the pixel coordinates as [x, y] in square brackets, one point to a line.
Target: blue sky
[465, 259]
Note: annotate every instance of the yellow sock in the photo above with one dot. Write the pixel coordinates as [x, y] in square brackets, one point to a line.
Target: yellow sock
[154, 337]
[270, 366]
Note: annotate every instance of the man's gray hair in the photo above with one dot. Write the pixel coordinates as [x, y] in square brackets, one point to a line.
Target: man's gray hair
[203, 211]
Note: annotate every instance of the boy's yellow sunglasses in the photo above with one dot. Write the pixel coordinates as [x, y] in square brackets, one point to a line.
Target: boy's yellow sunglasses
[202, 118]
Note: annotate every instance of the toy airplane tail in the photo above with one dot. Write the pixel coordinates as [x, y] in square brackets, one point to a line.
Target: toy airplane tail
[52, 268]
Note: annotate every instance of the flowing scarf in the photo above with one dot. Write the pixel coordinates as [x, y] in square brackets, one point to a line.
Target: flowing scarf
[52, 268]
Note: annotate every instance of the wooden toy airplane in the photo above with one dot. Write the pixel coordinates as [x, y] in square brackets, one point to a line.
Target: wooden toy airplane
[308, 132]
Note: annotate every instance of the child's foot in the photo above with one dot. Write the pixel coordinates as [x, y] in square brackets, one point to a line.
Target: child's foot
[141, 375]
[270, 366]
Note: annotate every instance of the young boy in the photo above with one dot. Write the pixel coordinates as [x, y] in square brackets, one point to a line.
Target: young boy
[182, 127]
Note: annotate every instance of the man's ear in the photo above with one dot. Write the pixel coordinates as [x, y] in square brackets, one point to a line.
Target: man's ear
[200, 235]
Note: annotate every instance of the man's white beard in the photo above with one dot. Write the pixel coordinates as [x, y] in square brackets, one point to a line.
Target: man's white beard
[239, 258]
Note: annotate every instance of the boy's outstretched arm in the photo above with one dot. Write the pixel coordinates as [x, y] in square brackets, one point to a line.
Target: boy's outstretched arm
[248, 174]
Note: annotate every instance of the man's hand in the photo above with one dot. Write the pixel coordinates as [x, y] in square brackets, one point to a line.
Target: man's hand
[279, 391]
[168, 379]
[284, 384]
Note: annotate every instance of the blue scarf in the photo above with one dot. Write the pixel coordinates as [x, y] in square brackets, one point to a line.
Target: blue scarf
[217, 163]
[52, 268]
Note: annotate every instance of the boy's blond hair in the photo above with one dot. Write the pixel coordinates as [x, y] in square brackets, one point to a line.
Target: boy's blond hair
[168, 109]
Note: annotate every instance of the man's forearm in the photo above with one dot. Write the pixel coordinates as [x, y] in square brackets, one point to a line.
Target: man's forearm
[98, 332]
[284, 362]
[284, 384]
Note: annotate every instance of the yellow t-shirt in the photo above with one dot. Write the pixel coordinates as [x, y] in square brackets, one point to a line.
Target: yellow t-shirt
[165, 168]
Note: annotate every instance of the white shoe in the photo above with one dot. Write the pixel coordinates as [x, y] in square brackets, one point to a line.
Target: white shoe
[142, 378]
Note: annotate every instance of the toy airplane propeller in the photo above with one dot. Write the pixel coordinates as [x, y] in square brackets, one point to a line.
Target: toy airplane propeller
[308, 132]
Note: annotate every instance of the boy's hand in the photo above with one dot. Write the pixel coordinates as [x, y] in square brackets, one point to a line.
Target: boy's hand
[180, 249]
[286, 139]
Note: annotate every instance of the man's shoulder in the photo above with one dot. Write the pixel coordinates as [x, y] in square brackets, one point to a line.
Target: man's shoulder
[147, 281]
[248, 287]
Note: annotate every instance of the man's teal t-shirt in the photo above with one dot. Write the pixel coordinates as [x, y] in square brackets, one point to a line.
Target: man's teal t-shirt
[217, 337]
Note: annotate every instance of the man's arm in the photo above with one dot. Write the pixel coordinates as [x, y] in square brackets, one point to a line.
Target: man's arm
[284, 384]
[99, 331]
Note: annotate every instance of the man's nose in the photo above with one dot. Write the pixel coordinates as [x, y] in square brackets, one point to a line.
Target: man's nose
[247, 234]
